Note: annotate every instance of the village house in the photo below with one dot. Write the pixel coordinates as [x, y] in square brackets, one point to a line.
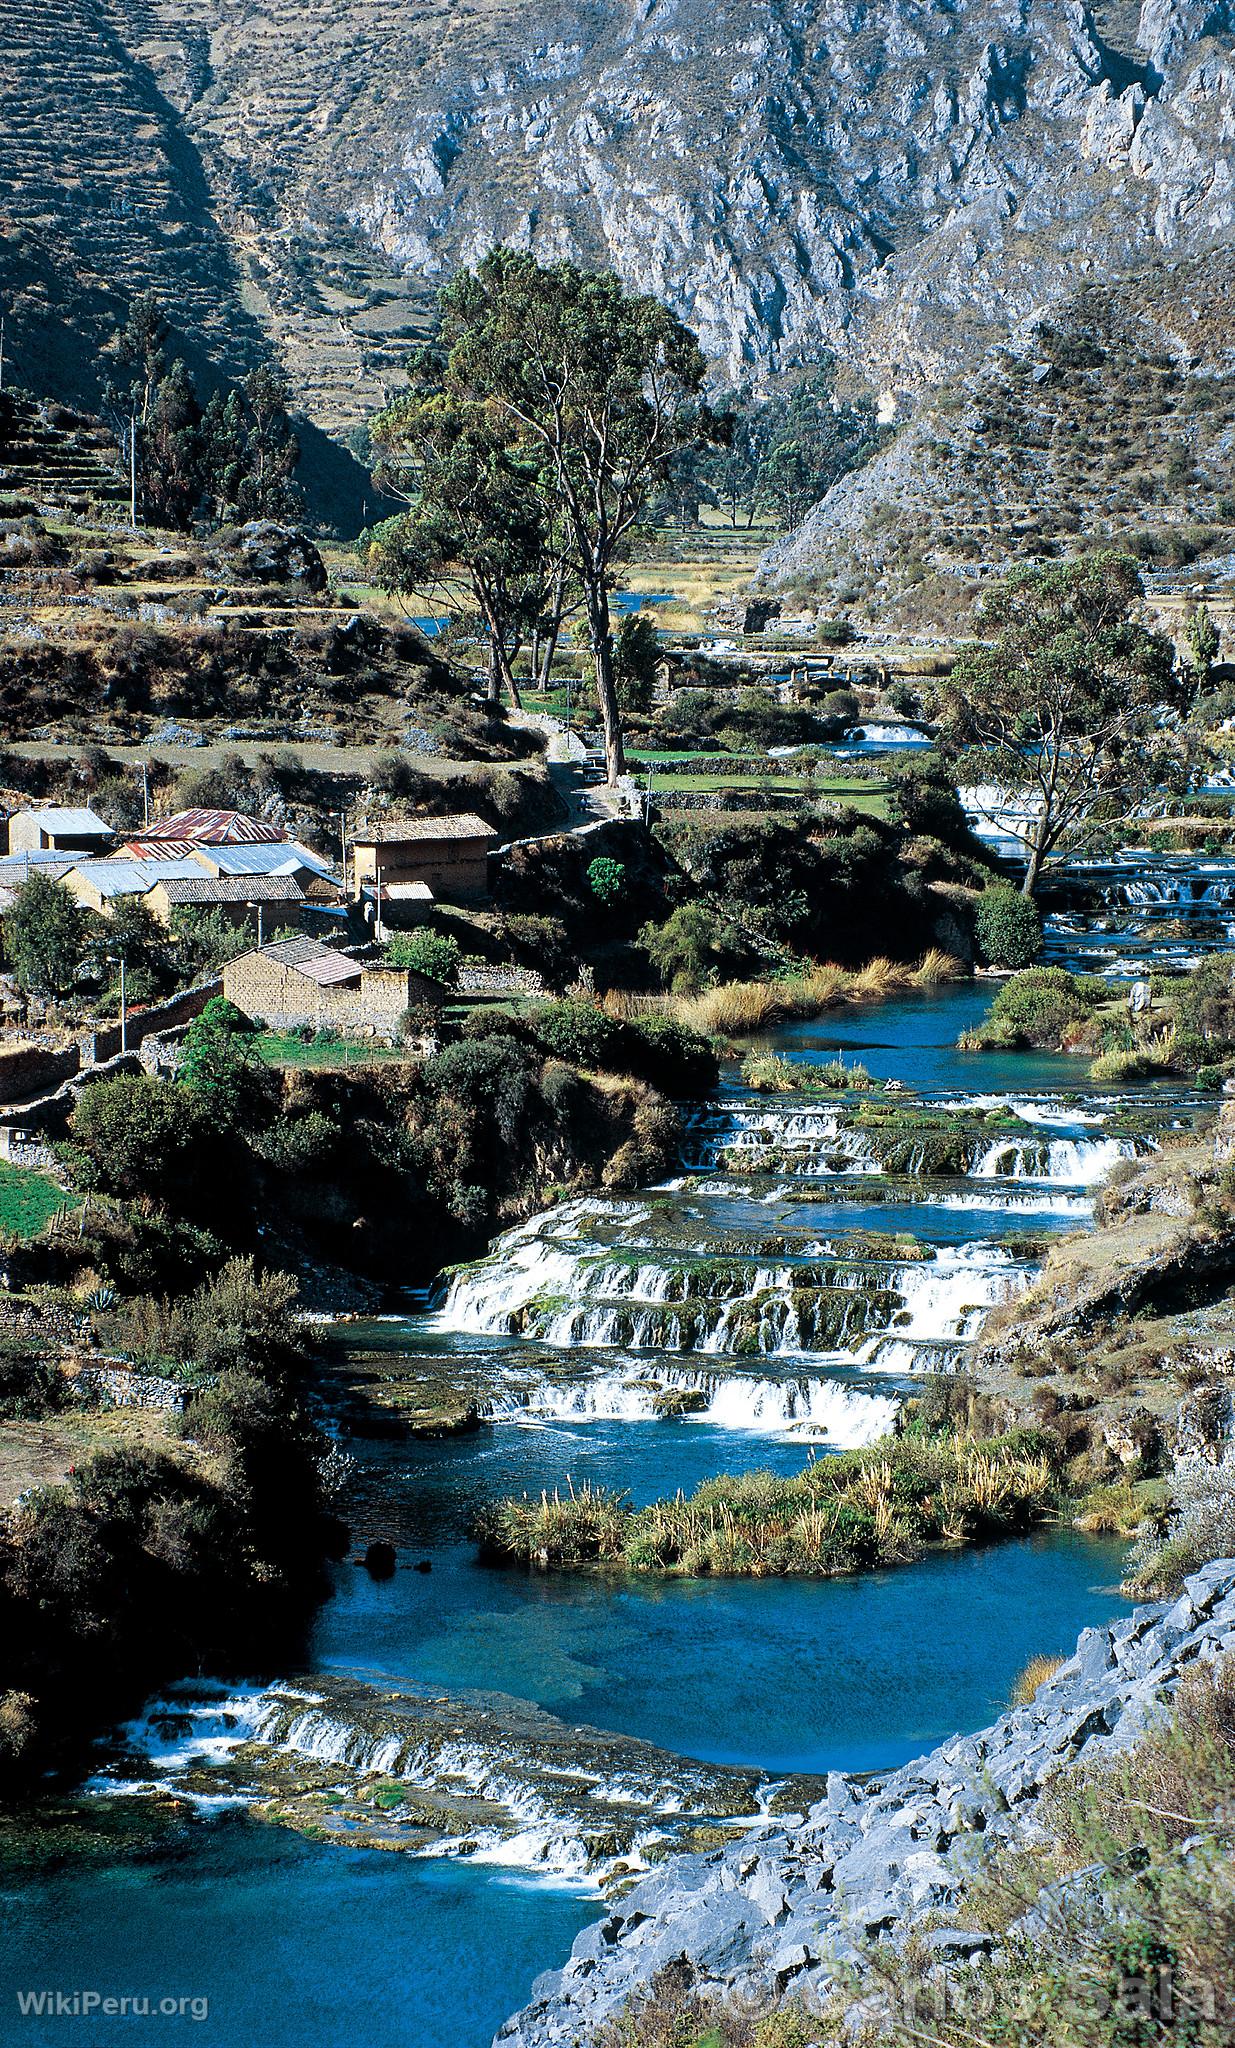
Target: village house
[97, 884]
[450, 856]
[298, 982]
[53, 829]
[266, 903]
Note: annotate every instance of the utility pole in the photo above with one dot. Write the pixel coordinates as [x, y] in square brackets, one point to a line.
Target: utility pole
[342, 818]
[124, 1011]
[1, 351]
[146, 792]
[133, 472]
[259, 927]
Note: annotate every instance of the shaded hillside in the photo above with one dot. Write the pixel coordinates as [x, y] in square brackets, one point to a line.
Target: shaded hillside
[103, 197]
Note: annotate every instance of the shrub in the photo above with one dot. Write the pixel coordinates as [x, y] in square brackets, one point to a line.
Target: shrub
[606, 879]
[138, 1134]
[1008, 928]
[45, 936]
[1036, 1008]
[1200, 1527]
[220, 1067]
[30, 1387]
[579, 1032]
[434, 954]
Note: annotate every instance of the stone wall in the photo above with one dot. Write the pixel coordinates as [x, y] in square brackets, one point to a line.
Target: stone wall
[774, 1914]
[29, 1070]
[159, 1017]
[287, 1000]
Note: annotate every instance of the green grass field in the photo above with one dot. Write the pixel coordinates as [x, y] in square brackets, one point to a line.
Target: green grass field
[285, 1049]
[28, 1200]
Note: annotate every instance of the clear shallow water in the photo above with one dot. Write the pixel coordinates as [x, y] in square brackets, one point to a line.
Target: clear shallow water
[791, 1675]
[294, 1944]
[301, 1943]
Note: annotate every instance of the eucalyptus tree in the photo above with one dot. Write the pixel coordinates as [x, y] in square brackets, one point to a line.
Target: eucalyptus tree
[597, 390]
[1072, 700]
[473, 515]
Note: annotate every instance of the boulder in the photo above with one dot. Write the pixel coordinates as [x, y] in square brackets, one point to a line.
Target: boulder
[269, 553]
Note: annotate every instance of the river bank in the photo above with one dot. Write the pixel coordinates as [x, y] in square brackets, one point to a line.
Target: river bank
[780, 1296]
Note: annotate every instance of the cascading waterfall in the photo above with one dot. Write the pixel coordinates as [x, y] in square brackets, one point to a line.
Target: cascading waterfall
[489, 1778]
[814, 1408]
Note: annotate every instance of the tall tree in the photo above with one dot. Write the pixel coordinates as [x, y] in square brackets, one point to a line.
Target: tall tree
[44, 936]
[474, 516]
[1071, 699]
[597, 388]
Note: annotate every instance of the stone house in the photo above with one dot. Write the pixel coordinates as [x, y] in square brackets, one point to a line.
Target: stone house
[299, 982]
[55, 829]
[449, 855]
[263, 902]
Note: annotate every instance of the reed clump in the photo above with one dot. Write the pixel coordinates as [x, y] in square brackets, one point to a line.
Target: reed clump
[882, 1505]
[740, 1009]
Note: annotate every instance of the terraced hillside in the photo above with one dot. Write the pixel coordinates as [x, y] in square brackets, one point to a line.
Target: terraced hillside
[111, 634]
[1111, 416]
[102, 196]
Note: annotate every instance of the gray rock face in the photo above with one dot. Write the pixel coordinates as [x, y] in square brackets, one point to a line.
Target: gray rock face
[773, 1914]
[900, 182]
[271, 553]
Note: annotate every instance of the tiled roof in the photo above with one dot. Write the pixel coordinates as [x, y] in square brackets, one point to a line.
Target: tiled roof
[201, 888]
[316, 962]
[410, 831]
[215, 828]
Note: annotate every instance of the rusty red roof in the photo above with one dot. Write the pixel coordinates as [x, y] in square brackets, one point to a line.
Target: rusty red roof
[216, 828]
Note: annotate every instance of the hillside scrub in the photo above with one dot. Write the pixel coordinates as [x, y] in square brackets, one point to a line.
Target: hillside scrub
[817, 886]
[879, 1506]
[149, 1562]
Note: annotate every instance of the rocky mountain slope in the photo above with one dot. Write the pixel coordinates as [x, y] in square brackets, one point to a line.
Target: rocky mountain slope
[786, 1911]
[1109, 416]
[902, 184]
[908, 186]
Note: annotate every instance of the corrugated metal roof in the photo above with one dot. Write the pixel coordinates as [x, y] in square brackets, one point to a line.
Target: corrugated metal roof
[158, 849]
[41, 857]
[410, 831]
[216, 828]
[232, 889]
[282, 859]
[82, 822]
[131, 877]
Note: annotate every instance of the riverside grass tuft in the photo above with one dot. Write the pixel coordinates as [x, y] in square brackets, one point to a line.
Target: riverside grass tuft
[739, 1009]
[882, 1505]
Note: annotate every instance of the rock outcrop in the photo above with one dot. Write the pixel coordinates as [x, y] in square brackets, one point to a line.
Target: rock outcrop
[902, 184]
[774, 1914]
